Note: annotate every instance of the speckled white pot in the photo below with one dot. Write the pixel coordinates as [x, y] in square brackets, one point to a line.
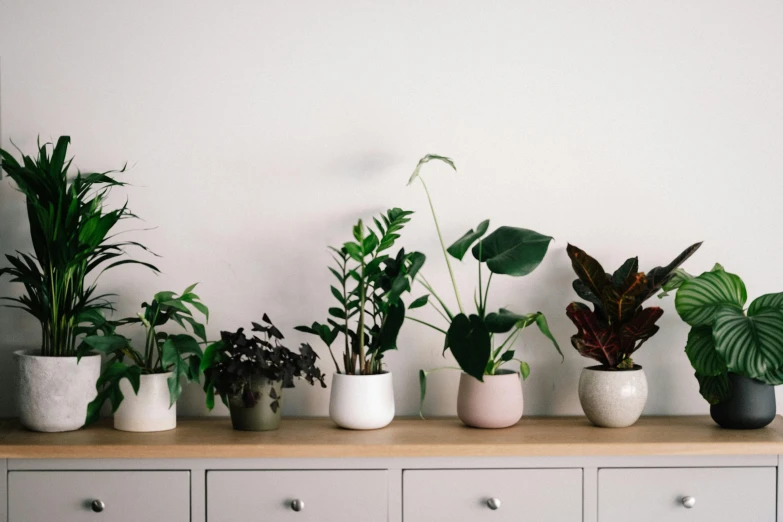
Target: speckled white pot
[151, 409]
[612, 398]
[54, 392]
[362, 402]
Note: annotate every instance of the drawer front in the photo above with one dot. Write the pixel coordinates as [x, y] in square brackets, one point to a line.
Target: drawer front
[323, 496]
[542, 495]
[128, 496]
[719, 494]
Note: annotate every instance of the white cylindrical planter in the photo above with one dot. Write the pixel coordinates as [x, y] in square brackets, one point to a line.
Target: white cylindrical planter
[494, 403]
[612, 398]
[362, 402]
[150, 410]
[54, 392]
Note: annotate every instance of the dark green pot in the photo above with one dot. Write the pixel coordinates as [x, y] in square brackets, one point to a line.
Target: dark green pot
[751, 405]
[259, 417]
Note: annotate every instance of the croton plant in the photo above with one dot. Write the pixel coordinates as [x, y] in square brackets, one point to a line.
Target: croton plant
[618, 324]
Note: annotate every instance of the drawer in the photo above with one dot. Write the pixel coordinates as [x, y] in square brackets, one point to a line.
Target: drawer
[128, 496]
[464, 495]
[720, 494]
[323, 496]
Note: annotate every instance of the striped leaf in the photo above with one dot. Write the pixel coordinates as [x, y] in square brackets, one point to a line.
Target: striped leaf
[751, 345]
[775, 377]
[699, 299]
[701, 351]
[766, 301]
[714, 389]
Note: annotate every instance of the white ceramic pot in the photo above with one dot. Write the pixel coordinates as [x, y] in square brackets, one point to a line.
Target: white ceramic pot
[362, 402]
[54, 392]
[150, 410]
[612, 398]
[494, 403]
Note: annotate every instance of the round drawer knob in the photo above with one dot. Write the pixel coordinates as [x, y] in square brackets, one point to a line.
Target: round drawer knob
[297, 505]
[688, 502]
[493, 503]
[98, 506]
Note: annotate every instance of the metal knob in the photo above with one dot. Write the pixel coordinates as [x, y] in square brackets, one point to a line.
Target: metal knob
[688, 502]
[493, 503]
[98, 506]
[297, 505]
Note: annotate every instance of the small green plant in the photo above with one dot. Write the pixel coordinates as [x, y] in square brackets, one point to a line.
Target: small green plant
[370, 285]
[618, 325]
[70, 229]
[724, 336]
[163, 352]
[471, 338]
[233, 366]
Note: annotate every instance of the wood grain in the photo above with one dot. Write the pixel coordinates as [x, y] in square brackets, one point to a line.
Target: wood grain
[318, 437]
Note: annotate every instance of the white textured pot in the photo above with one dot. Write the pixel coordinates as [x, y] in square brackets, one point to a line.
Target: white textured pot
[362, 402]
[150, 410]
[612, 398]
[494, 403]
[54, 392]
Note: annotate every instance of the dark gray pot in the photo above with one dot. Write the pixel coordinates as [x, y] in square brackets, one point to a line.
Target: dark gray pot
[751, 405]
[260, 417]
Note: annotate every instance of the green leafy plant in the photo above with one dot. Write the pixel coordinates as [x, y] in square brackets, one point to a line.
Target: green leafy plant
[370, 285]
[724, 337]
[70, 230]
[471, 337]
[163, 352]
[232, 366]
[617, 325]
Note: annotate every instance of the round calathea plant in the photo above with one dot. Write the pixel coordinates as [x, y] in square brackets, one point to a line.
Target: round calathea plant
[617, 325]
[234, 366]
[725, 337]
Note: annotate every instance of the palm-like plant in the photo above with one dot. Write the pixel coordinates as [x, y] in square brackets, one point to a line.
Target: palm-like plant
[69, 227]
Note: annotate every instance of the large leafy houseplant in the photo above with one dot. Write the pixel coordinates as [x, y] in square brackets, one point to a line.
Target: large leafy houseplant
[471, 336]
[725, 337]
[618, 324]
[370, 310]
[163, 352]
[70, 228]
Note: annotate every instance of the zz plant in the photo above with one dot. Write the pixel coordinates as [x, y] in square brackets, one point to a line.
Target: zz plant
[725, 337]
[163, 352]
[370, 310]
[71, 230]
[471, 336]
[618, 324]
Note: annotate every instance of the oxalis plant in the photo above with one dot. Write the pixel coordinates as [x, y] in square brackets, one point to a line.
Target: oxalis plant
[725, 336]
[70, 229]
[370, 284]
[618, 324]
[471, 337]
[163, 352]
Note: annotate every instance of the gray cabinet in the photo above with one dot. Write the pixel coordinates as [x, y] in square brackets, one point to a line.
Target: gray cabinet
[98, 496]
[298, 496]
[687, 494]
[494, 495]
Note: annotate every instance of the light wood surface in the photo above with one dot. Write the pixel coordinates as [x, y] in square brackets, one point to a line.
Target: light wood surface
[532, 437]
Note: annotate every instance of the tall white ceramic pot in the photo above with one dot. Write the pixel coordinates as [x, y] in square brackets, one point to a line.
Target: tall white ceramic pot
[54, 392]
[362, 402]
[495, 402]
[150, 410]
[613, 398]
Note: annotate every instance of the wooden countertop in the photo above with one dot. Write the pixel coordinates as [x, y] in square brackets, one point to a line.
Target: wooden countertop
[319, 437]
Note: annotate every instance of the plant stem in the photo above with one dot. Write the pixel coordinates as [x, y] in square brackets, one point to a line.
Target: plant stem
[362, 299]
[486, 292]
[426, 324]
[443, 246]
[423, 281]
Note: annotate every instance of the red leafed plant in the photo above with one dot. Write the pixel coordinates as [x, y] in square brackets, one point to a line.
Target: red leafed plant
[617, 325]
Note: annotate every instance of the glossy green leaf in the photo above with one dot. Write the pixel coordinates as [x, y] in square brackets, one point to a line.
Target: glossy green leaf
[751, 345]
[524, 370]
[470, 343]
[701, 351]
[544, 327]
[504, 320]
[419, 302]
[698, 299]
[715, 389]
[512, 251]
[461, 246]
[766, 301]
[422, 391]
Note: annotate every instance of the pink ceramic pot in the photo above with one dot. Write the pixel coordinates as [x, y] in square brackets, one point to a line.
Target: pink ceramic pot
[494, 403]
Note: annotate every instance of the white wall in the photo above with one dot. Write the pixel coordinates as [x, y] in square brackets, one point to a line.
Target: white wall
[258, 131]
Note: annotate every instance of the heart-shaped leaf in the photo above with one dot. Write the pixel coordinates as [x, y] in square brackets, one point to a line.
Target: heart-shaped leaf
[463, 244]
[504, 320]
[751, 345]
[714, 389]
[512, 251]
[470, 343]
[766, 301]
[701, 351]
[698, 299]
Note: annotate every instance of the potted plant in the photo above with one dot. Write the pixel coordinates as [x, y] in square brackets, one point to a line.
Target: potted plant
[369, 314]
[143, 385]
[249, 375]
[70, 228]
[489, 395]
[613, 394]
[737, 353]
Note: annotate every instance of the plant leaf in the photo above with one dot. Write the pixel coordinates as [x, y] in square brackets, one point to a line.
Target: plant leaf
[470, 343]
[701, 351]
[461, 246]
[419, 302]
[512, 251]
[427, 159]
[715, 389]
[750, 345]
[591, 274]
[698, 299]
[544, 327]
[524, 370]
